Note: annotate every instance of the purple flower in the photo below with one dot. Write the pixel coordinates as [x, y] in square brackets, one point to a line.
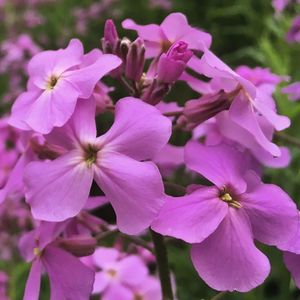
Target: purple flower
[293, 35]
[222, 221]
[174, 28]
[57, 79]
[58, 189]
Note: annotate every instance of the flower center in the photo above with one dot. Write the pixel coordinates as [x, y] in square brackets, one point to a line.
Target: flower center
[138, 297]
[90, 155]
[37, 251]
[51, 83]
[226, 197]
[112, 273]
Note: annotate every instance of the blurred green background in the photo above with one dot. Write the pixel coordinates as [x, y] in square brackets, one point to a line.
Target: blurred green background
[245, 32]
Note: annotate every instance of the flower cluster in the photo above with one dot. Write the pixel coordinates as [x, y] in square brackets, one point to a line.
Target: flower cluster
[67, 167]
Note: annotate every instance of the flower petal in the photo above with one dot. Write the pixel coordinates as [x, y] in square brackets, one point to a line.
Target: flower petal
[72, 281]
[220, 164]
[292, 262]
[135, 190]
[272, 213]
[139, 131]
[193, 217]
[228, 260]
[32, 289]
[58, 189]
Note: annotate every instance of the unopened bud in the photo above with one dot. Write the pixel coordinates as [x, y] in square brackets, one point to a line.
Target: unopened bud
[79, 246]
[206, 107]
[155, 92]
[135, 60]
[172, 64]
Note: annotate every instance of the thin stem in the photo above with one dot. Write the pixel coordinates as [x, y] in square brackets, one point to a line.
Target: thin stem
[137, 241]
[289, 139]
[163, 265]
[127, 85]
[218, 296]
[174, 186]
[173, 113]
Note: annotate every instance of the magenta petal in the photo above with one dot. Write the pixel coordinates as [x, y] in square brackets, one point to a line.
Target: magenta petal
[32, 289]
[292, 262]
[85, 79]
[228, 260]
[135, 190]
[193, 217]
[101, 282]
[241, 112]
[139, 131]
[220, 164]
[73, 281]
[129, 263]
[272, 213]
[174, 26]
[58, 190]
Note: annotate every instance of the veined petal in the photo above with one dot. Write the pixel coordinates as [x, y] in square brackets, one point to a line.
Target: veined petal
[139, 130]
[58, 190]
[135, 190]
[228, 259]
[193, 217]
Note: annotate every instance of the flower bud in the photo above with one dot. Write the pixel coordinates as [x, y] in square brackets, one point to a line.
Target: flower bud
[206, 107]
[155, 92]
[172, 64]
[135, 60]
[111, 38]
[79, 246]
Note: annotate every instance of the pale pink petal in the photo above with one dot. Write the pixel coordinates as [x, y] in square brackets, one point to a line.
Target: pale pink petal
[223, 165]
[73, 281]
[126, 267]
[103, 257]
[135, 190]
[175, 26]
[242, 114]
[150, 289]
[101, 282]
[85, 79]
[228, 260]
[21, 108]
[50, 62]
[193, 217]
[58, 189]
[272, 213]
[117, 292]
[32, 289]
[139, 131]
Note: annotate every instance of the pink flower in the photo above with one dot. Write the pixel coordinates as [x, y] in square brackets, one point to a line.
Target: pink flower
[74, 280]
[57, 79]
[222, 221]
[293, 91]
[249, 106]
[174, 28]
[117, 275]
[58, 189]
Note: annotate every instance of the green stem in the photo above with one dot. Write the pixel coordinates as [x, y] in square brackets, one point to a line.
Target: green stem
[288, 138]
[218, 296]
[163, 265]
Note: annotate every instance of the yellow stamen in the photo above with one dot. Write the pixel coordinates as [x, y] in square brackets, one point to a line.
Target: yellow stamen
[230, 201]
[37, 251]
[51, 83]
[112, 272]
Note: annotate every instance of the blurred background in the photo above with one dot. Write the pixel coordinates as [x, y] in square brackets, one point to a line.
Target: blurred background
[247, 32]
